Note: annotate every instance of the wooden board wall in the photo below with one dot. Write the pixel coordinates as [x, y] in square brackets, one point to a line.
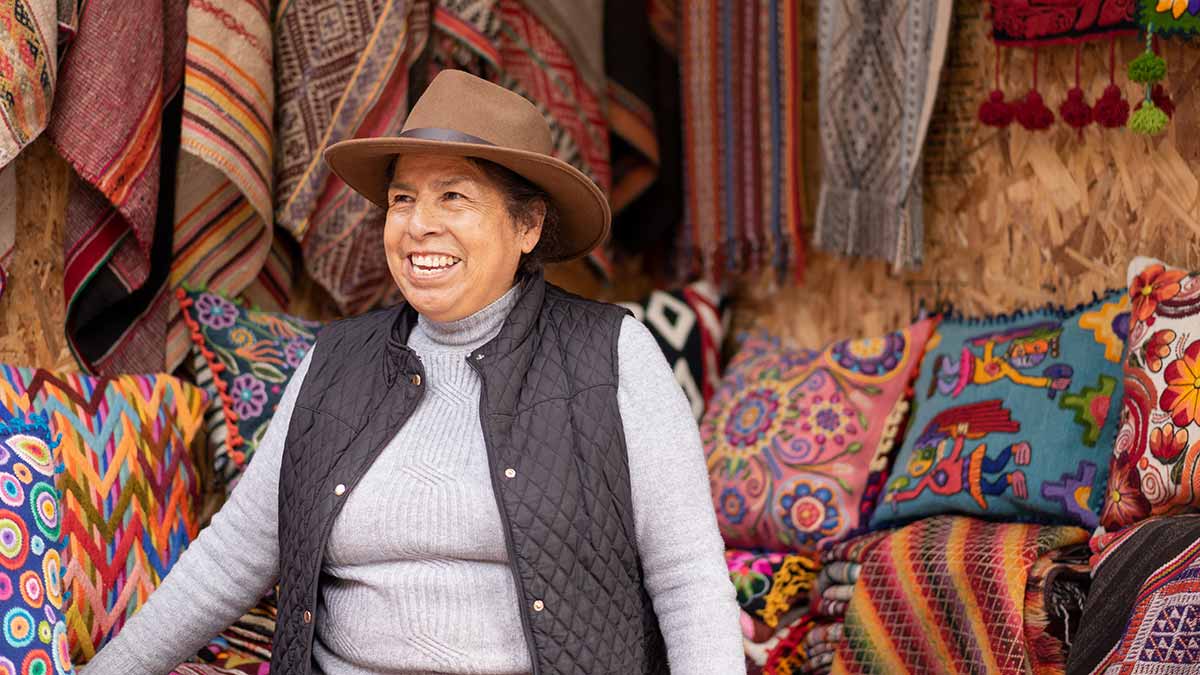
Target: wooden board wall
[1014, 219]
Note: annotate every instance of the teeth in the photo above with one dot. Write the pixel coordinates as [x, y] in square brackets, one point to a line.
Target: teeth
[433, 261]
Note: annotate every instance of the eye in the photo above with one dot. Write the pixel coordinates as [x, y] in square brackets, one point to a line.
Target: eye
[451, 196]
[401, 199]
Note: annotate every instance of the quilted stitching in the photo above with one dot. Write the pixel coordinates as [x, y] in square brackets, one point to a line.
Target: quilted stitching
[549, 411]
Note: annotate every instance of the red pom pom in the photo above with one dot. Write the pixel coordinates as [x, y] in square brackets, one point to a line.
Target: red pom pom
[1075, 111]
[1033, 114]
[1112, 110]
[996, 112]
[1161, 99]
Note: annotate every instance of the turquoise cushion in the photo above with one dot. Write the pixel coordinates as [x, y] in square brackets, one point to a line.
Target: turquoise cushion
[1014, 418]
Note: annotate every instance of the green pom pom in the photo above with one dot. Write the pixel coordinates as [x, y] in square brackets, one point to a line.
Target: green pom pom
[1147, 68]
[1150, 120]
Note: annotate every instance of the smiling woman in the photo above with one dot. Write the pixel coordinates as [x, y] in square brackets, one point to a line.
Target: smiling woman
[494, 477]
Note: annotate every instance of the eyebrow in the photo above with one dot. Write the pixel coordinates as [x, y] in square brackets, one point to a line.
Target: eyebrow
[438, 184]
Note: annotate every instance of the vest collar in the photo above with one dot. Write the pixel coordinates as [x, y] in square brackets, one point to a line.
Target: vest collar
[517, 327]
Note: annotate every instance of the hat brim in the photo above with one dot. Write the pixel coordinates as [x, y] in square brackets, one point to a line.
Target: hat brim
[584, 213]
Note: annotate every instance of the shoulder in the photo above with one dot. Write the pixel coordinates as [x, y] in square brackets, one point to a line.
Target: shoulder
[561, 304]
[372, 321]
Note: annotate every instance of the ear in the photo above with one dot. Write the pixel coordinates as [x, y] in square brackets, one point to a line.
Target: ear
[532, 233]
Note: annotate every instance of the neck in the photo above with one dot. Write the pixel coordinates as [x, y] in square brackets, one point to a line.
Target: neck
[470, 331]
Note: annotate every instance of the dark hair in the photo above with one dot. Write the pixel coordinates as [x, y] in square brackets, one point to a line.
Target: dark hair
[520, 198]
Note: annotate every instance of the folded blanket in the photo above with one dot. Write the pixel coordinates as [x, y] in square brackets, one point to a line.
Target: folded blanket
[946, 594]
[1143, 612]
[1054, 597]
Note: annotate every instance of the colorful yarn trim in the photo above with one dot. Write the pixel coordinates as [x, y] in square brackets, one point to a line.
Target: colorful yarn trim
[233, 437]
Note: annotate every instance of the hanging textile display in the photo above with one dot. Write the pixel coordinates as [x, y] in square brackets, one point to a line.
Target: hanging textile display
[223, 210]
[550, 52]
[341, 72]
[28, 71]
[880, 63]
[116, 121]
[1157, 18]
[641, 59]
[742, 139]
[1030, 24]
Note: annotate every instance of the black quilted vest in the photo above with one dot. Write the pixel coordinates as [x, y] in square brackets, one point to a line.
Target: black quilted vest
[557, 453]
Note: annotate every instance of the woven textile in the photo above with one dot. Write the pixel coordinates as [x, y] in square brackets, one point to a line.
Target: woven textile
[1031, 23]
[742, 139]
[28, 70]
[246, 357]
[31, 590]
[115, 109]
[1054, 597]
[796, 440]
[223, 210]
[1015, 417]
[341, 71]
[243, 648]
[880, 62]
[1154, 466]
[129, 487]
[946, 595]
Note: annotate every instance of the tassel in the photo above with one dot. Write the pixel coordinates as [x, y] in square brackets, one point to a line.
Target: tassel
[1112, 110]
[1032, 112]
[995, 111]
[1149, 68]
[1075, 111]
[1161, 99]
[1148, 120]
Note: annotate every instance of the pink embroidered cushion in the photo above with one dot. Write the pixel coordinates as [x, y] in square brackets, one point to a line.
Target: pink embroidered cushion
[798, 441]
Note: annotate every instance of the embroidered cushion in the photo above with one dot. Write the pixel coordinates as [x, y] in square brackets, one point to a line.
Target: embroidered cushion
[129, 486]
[31, 589]
[689, 325]
[244, 359]
[796, 438]
[770, 585]
[1158, 443]
[1012, 418]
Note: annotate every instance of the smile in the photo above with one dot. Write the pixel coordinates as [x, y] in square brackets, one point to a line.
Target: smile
[432, 264]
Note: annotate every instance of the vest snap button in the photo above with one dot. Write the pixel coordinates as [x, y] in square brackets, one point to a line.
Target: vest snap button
[510, 473]
[479, 357]
[339, 489]
[538, 605]
[415, 379]
[307, 616]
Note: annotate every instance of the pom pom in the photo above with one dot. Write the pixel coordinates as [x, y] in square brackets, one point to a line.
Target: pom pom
[1033, 114]
[996, 112]
[1147, 68]
[1075, 111]
[1161, 99]
[1149, 120]
[1112, 110]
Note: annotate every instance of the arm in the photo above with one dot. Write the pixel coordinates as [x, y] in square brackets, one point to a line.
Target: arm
[227, 569]
[677, 537]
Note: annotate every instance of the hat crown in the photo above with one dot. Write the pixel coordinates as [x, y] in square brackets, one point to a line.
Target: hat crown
[471, 105]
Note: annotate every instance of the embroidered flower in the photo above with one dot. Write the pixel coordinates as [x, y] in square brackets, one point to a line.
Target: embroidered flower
[294, 352]
[829, 420]
[1158, 347]
[1125, 504]
[751, 418]
[733, 505]
[872, 356]
[1166, 442]
[249, 395]
[1182, 395]
[1154, 285]
[215, 312]
[810, 512]
[1177, 7]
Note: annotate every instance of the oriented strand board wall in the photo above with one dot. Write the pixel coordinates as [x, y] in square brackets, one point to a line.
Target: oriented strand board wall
[1013, 219]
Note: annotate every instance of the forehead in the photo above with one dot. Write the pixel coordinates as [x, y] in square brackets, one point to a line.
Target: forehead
[421, 168]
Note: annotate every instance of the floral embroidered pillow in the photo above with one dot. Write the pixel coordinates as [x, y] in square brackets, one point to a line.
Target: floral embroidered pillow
[1154, 467]
[244, 359]
[795, 438]
[1014, 418]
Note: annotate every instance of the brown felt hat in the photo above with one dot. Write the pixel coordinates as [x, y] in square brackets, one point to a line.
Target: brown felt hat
[465, 116]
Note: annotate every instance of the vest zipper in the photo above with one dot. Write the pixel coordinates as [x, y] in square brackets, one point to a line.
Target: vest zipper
[508, 539]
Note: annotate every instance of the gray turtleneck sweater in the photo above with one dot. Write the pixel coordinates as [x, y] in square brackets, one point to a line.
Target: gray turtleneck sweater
[416, 570]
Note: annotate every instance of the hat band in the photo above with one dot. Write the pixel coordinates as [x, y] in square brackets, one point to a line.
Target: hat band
[442, 134]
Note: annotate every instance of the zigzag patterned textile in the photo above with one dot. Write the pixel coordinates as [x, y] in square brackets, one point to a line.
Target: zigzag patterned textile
[129, 488]
[946, 595]
[223, 213]
[341, 71]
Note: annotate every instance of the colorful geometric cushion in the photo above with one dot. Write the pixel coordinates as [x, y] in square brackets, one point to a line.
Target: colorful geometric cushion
[795, 438]
[244, 359]
[1154, 466]
[31, 589]
[129, 487]
[689, 325]
[1012, 418]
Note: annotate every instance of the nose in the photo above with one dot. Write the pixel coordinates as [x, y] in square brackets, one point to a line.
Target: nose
[422, 221]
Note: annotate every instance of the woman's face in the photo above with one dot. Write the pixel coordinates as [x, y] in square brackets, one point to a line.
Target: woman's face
[451, 243]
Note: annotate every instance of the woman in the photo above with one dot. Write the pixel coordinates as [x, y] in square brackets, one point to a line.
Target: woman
[495, 477]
